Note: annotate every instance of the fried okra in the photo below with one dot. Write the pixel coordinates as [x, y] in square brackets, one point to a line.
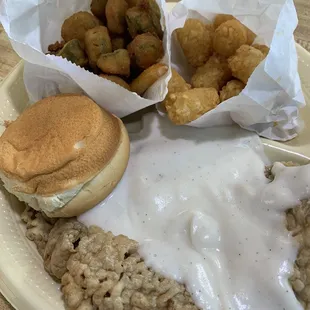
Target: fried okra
[97, 7]
[185, 107]
[228, 37]
[147, 78]
[115, 14]
[138, 22]
[116, 79]
[97, 42]
[145, 50]
[76, 26]
[73, 52]
[153, 10]
[118, 43]
[195, 39]
[117, 63]
[244, 62]
[214, 73]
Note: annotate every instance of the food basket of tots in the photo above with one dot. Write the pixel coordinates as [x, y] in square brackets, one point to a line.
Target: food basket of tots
[181, 206]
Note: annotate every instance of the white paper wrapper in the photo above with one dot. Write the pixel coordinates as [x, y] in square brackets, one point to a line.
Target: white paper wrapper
[269, 103]
[34, 24]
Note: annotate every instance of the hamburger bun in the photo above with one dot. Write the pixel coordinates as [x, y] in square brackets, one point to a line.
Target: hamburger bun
[63, 155]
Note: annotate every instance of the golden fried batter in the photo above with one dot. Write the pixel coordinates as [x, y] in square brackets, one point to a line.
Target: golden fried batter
[231, 89]
[244, 62]
[185, 107]
[215, 73]
[195, 39]
[263, 48]
[139, 22]
[251, 36]
[145, 50]
[177, 83]
[118, 43]
[116, 79]
[115, 14]
[117, 63]
[97, 7]
[221, 18]
[76, 26]
[56, 47]
[147, 78]
[153, 10]
[229, 37]
[97, 42]
[73, 52]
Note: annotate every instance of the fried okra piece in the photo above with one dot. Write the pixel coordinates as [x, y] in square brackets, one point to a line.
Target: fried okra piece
[145, 50]
[138, 22]
[118, 43]
[73, 52]
[263, 48]
[117, 63]
[244, 62]
[195, 39]
[185, 107]
[116, 79]
[97, 7]
[228, 37]
[76, 26]
[115, 14]
[153, 10]
[231, 89]
[132, 3]
[214, 73]
[147, 78]
[97, 42]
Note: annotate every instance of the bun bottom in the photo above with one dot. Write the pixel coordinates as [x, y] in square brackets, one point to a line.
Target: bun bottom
[101, 186]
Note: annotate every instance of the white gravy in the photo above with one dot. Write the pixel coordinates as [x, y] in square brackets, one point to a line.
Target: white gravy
[204, 214]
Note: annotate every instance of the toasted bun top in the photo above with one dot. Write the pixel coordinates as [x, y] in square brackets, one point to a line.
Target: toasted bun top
[58, 143]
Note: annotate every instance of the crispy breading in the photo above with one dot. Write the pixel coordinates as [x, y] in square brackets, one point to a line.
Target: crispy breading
[147, 78]
[244, 62]
[115, 15]
[185, 107]
[263, 48]
[145, 50]
[116, 79]
[117, 63]
[214, 73]
[97, 7]
[228, 37]
[74, 53]
[231, 89]
[75, 26]
[195, 39]
[97, 42]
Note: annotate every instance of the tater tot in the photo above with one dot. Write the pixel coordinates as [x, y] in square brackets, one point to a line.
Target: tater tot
[76, 26]
[115, 15]
[117, 63]
[97, 42]
[195, 39]
[228, 37]
[263, 48]
[116, 79]
[244, 62]
[147, 78]
[231, 89]
[185, 107]
[221, 18]
[145, 50]
[214, 73]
